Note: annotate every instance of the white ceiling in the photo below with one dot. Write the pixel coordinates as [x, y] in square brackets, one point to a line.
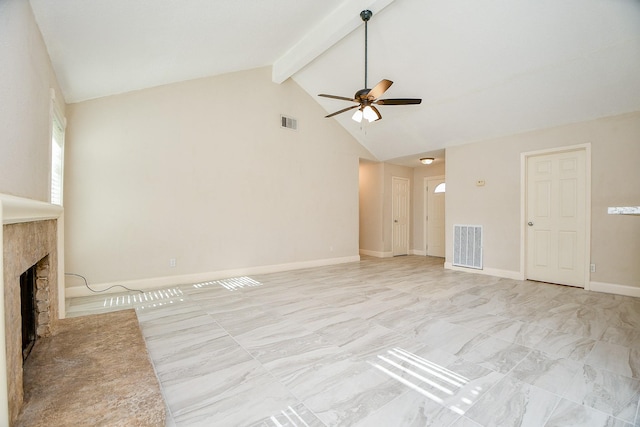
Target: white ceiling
[484, 68]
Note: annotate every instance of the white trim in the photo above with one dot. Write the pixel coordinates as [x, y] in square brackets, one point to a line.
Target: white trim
[62, 306]
[613, 288]
[376, 254]
[507, 274]
[320, 38]
[166, 281]
[523, 214]
[523, 204]
[587, 236]
[417, 252]
[425, 207]
[56, 117]
[17, 209]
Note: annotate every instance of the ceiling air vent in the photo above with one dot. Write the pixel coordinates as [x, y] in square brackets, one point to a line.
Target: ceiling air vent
[288, 122]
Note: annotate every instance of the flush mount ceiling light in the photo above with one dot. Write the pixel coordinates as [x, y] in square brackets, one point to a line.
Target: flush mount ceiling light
[427, 160]
[366, 98]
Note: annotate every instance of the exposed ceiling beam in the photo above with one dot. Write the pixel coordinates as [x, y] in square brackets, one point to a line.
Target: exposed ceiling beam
[328, 32]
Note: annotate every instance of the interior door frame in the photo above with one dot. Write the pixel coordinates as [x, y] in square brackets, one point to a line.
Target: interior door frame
[408, 209]
[425, 211]
[524, 157]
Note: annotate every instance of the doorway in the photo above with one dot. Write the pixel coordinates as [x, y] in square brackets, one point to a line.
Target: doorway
[400, 216]
[557, 216]
[434, 235]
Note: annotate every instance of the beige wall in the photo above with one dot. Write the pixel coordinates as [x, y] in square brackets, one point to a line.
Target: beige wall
[615, 148]
[437, 168]
[371, 206]
[26, 77]
[201, 171]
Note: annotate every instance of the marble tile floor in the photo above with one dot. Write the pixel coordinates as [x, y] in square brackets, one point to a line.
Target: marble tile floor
[388, 342]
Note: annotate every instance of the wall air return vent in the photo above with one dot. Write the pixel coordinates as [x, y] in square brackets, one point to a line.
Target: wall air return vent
[288, 123]
[467, 246]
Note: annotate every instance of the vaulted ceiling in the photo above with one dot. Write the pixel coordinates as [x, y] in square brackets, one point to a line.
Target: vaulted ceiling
[483, 68]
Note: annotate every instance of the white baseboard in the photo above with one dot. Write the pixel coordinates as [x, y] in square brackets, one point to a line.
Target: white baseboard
[609, 288]
[612, 288]
[167, 281]
[376, 253]
[507, 274]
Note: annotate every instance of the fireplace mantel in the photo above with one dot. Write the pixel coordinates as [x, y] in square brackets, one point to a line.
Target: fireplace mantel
[15, 210]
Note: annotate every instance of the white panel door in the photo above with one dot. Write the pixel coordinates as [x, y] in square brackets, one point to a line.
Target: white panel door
[400, 216]
[556, 218]
[435, 219]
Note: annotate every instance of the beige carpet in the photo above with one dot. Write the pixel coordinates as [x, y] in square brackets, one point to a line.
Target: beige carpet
[94, 371]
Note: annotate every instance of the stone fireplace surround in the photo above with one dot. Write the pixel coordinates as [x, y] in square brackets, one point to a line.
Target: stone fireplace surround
[31, 231]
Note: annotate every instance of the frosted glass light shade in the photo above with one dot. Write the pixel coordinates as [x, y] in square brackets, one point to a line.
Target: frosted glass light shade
[369, 114]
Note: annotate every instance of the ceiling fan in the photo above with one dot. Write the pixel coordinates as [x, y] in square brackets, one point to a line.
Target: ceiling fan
[366, 98]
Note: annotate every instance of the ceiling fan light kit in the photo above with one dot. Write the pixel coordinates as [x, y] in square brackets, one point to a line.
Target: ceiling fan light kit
[365, 98]
[368, 113]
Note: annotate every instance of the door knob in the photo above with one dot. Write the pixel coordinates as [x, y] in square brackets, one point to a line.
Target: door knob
[530, 224]
[395, 220]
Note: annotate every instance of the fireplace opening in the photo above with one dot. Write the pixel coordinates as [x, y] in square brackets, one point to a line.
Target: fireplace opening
[28, 304]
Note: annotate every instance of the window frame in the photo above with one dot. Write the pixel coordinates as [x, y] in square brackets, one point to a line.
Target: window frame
[56, 146]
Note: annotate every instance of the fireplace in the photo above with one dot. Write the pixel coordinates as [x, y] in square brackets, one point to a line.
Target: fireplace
[31, 240]
[28, 310]
[35, 305]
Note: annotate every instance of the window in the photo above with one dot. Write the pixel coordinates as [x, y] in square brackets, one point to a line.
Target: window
[440, 188]
[57, 152]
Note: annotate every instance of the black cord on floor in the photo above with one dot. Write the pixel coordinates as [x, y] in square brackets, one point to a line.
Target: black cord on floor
[104, 290]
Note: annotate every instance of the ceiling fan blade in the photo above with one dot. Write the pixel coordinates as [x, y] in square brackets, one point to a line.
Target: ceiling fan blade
[342, 111]
[377, 113]
[344, 98]
[398, 101]
[379, 89]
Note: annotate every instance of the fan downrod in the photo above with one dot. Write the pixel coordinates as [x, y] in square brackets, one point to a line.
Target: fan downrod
[366, 15]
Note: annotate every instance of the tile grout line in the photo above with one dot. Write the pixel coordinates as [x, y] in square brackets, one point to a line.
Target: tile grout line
[300, 401]
[155, 370]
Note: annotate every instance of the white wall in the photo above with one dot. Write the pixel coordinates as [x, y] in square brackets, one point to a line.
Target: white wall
[26, 76]
[615, 148]
[201, 171]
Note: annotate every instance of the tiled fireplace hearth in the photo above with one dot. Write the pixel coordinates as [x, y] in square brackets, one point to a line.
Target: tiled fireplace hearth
[30, 237]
